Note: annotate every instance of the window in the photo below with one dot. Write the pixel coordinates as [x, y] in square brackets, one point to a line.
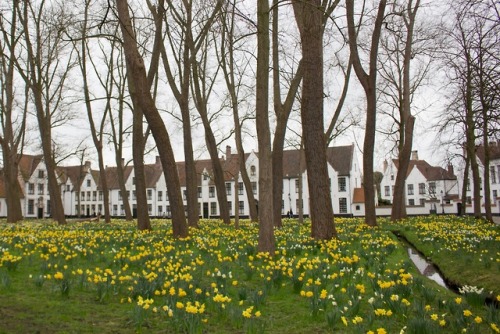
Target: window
[211, 191]
[150, 208]
[99, 208]
[282, 206]
[230, 206]
[297, 186]
[160, 195]
[122, 211]
[469, 200]
[432, 188]
[387, 190]
[495, 194]
[422, 201]
[205, 176]
[493, 175]
[93, 209]
[88, 183]
[88, 195]
[31, 188]
[411, 202]
[41, 188]
[421, 188]
[252, 170]
[94, 196]
[31, 206]
[254, 188]
[119, 195]
[150, 194]
[68, 188]
[133, 180]
[76, 210]
[468, 184]
[342, 205]
[410, 189]
[358, 207]
[342, 184]
[240, 188]
[115, 210]
[41, 174]
[213, 208]
[160, 210]
[199, 192]
[298, 204]
[134, 195]
[228, 189]
[82, 196]
[241, 207]
[167, 211]
[184, 194]
[392, 177]
[101, 194]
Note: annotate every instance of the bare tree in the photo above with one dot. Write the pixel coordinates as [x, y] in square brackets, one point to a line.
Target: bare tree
[12, 117]
[141, 98]
[310, 20]
[97, 132]
[266, 232]
[46, 71]
[369, 83]
[232, 41]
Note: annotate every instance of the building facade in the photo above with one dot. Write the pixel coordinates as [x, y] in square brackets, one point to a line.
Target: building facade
[82, 193]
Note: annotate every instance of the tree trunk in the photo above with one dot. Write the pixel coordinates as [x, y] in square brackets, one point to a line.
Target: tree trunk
[463, 209]
[369, 83]
[309, 20]
[137, 72]
[266, 241]
[143, 222]
[12, 190]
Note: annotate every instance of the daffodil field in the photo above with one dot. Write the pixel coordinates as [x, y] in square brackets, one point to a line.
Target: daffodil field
[112, 278]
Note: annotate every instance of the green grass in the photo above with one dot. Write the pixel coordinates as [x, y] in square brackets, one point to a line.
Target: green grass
[306, 287]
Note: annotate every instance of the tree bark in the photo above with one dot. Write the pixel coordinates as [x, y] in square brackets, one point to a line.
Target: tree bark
[266, 241]
[309, 17]
[369, 82]
[142, 96]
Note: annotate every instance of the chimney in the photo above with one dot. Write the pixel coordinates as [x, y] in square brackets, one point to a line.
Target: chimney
[228, 152]
[414, 155]
[385, 165]
[450, 169]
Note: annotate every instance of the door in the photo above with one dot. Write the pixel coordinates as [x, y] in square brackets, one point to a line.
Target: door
[205, 210]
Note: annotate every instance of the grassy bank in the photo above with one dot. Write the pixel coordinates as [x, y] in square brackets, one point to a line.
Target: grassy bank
[89, 277]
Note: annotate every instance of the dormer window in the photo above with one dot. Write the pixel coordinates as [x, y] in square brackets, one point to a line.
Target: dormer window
[205, 176]
[41, 174]
[252, 170]
[88, 183]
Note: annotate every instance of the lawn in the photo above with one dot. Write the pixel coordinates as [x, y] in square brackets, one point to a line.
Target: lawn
[90, 277]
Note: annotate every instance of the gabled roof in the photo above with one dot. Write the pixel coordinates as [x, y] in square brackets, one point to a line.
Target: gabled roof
[431, 173]
[28, 164]
[76, 174]
[339, 157]
[358, 195]
[112, 176]
[494, 148]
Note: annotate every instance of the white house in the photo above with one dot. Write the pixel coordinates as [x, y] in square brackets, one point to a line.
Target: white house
[494, 173]
[428, 189]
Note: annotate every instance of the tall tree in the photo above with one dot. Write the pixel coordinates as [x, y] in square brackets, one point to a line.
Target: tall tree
[266, 231]
[398, 47]
[141, 98]
[234, 77]
[369, 83]
[310, 20]
[97, 134]
[13, 119]
[48, 66]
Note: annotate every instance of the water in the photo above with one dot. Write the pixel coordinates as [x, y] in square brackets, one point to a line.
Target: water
[426, 268]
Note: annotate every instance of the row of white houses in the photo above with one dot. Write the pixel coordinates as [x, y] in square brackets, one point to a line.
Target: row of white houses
[431, 189]
[82, 194]
[428, 189]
